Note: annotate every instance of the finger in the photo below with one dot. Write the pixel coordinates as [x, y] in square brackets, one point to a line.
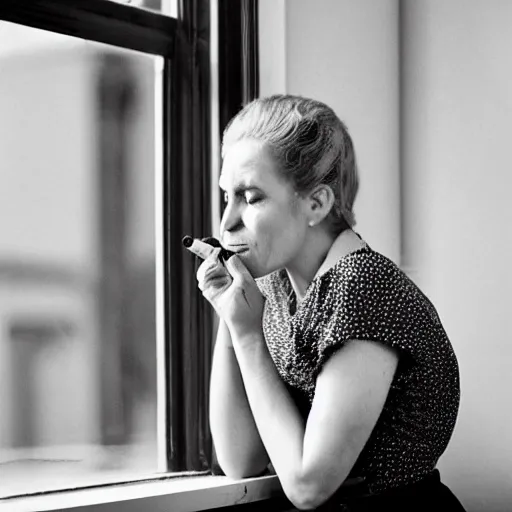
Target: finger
[237, 269]
[215, 286]
[211, 262]
[212, 277]
[197, 247]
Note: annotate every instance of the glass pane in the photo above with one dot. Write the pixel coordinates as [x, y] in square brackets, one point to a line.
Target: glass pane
[168, 7]
[77, 262]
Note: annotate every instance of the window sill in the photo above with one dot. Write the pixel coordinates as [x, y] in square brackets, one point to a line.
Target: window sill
[187, 494]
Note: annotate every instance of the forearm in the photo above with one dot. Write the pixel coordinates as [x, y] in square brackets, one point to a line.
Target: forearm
[279, 422]
[238, 445]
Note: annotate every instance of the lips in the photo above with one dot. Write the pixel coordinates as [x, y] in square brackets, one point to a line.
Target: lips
[237, 248]
[234, 245]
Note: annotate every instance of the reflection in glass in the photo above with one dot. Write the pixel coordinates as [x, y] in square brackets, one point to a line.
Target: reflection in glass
[77, 262]
[161, 6]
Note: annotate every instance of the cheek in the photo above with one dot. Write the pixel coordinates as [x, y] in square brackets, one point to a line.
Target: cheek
[265, 231]
[278, 234]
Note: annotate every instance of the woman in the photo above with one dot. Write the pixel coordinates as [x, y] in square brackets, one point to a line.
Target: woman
[329, 361]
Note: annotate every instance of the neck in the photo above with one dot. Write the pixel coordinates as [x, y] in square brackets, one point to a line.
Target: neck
[321, 251]
[303, 270]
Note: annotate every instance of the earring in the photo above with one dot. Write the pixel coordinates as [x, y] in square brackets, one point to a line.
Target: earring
[311, 223]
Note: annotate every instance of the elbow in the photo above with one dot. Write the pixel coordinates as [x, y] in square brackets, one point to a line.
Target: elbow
[238, 470]
[306, 501]
[306, 495]
[238, 473]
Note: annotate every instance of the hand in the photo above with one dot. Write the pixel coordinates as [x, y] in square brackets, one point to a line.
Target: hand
[230, 289]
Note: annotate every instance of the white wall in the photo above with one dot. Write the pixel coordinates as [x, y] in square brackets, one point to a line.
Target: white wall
[429, 92]
[457, 168]
[345, 54]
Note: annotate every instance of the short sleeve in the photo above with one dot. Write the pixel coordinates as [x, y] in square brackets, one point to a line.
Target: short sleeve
[369, 298]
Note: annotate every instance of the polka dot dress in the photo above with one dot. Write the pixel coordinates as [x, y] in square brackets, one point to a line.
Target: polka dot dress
[366, 296]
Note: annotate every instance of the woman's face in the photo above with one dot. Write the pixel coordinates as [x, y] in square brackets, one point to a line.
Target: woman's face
[264, 220]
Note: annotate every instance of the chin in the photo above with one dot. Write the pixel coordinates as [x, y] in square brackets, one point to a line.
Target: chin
[257, 272]
[254, 270]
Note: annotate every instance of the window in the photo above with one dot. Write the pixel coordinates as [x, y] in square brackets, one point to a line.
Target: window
[95, 330]
[77, 261]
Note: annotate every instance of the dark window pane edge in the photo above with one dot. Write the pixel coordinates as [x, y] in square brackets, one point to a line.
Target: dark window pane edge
[167, 225]
[102, 21]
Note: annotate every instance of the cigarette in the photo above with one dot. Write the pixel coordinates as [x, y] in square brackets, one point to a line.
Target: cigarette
[189, 243]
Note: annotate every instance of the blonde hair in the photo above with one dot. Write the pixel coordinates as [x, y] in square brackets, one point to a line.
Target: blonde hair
[310, 143]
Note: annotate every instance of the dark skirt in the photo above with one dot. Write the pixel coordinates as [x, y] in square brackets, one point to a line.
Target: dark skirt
[428, 495]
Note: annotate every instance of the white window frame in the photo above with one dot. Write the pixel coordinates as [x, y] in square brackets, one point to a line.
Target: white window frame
[168, 492]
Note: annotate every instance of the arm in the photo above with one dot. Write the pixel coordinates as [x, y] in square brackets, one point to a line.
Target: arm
[314, 459]
[311, 460]
[238, 445]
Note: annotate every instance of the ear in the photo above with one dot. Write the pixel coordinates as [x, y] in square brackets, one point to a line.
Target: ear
[321, 200]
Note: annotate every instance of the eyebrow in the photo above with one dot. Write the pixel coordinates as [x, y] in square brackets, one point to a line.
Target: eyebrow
[242, 188]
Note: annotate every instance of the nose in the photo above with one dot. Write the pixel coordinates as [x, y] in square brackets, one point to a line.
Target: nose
[231, 219]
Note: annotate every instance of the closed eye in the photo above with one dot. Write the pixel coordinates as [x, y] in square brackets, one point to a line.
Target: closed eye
[249, 198]
[253, 199]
